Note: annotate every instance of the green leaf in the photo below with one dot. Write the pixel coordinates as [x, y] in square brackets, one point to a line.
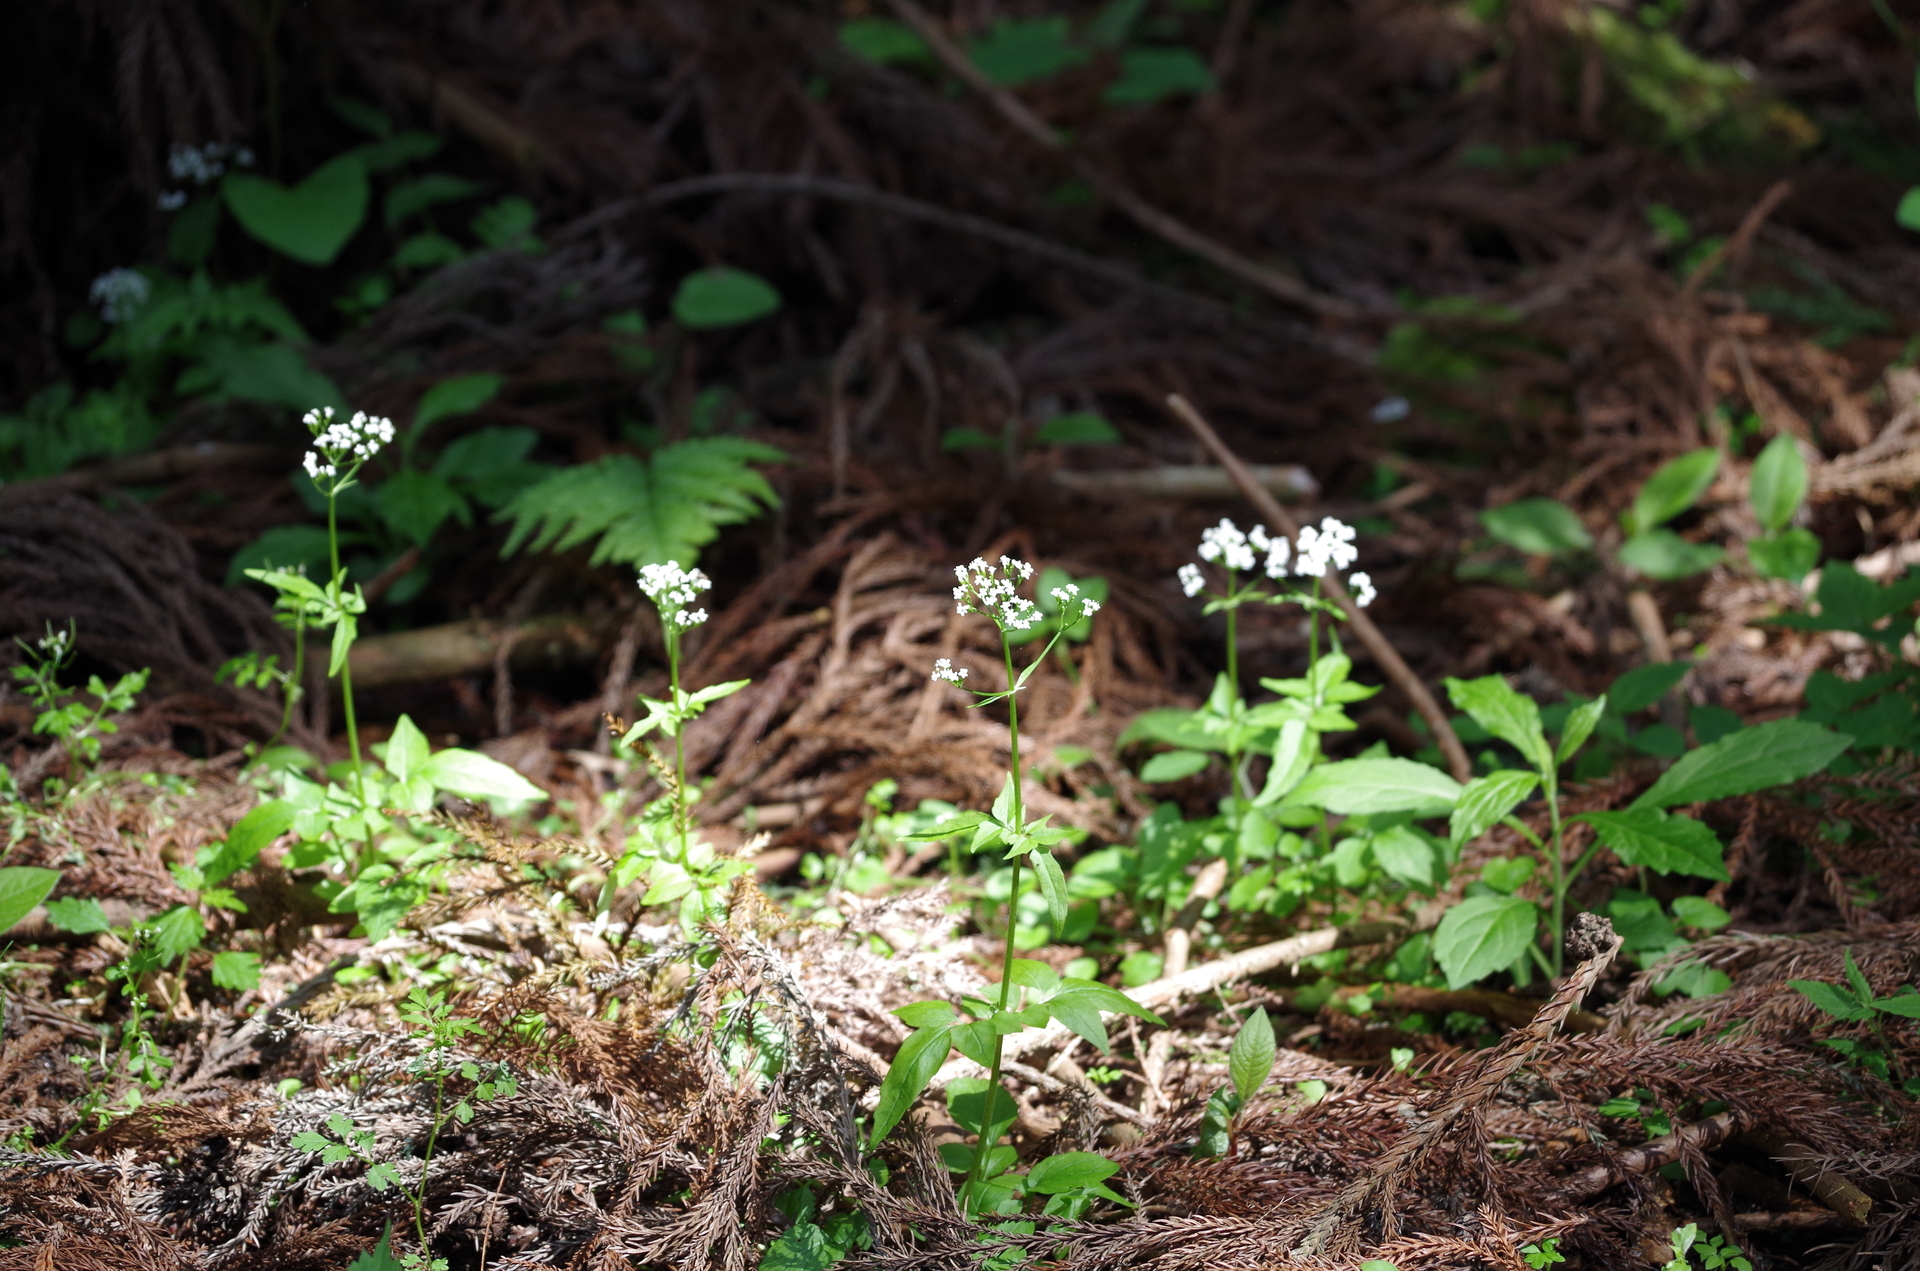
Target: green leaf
[507, 224]
[645, 512]
[1908, 211]
[1053, 885]
[1674, 487]
[1644, 685]
[1700, 913]
[1752, 759]
[410, 198]
[709, 299]
[22, 887]
[1405, 856]
[309, 222]
[1778, 484]
[919, 1057]
[1662, 554]
[1856, 980]
[461, 395]
[1065, 1171]
[1539, 527]
[236, 970]
[801, 1247]
[1665, 842]
[1360, 787]
[1791, 554]
[1832, 1000]
[1250, 1061]
[1486, 801]
[1031, 974]
[1905, 1004]
[273, 373]
[1079, 1003]
[407, 749]
[176, 932]
[1481, 935]
[1293, 753]
[1580, 725]
[1507, 874]
[244, 841]
[81, 915]
[884, 42]
[414, 503]
[427, 251]
[284, 546]
[1078, 428]
[1149, 74]
[1172, 765]
[1511, 716]
[491, 464]
[1020, 50]
[466, 772]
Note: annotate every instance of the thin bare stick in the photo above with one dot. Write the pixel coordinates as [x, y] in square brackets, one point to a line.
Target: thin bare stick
[1738, 241]
[1384, 653]
[1281, 286]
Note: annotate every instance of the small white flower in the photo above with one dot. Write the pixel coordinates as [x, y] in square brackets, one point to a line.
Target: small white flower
[943, 671]
[1329, 547]
[1190, 580]
[670, 588]
[120, 293]
[172, 200]
[1362, 586]
[1089, 607]
[1225, 543]
[1277, 553]
[991, 590]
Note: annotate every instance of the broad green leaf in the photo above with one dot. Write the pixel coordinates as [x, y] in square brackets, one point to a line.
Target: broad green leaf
[1053, 885]
[1778, 484]
[427, 251]
[709, 299]
[1511, 716]
[407, 749]
[1149, 74]
[1481, 935]
[1079, 1003]
[1360, 787]
[1700, 913]
[1662, 554]
[1485, 801]
[801, 1247]
[1185, 729]
[1065, 1171]
[1250, 1060]
[1644, 685]
[925, 1014]
[1405, 856]
[236, 970]
[21, 888]
[1540, 527]
[1216, 1124]
[466, 772]
[414, 504]
[1904, 1004]
[1293, 754]
[507, 224]
[1507, 874]
[276, 374]
[1829, 998]
[1752, 759]
[1908, 211]
[1020, 50]
[461, 395]
[81, 915]
[1078, 428]
[244, 842]
[309, 222]
[1580, 724]
[410, 198]
[176, 932]
[1172, 765]
[1674, 487]
[975, 1040]
[919, 1057]
[1790, 554]
[884, 41]
[491, 465]
[285, 546]
[1668, 843]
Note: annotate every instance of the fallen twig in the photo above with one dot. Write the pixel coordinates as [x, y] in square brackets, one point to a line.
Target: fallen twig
[1388, 657]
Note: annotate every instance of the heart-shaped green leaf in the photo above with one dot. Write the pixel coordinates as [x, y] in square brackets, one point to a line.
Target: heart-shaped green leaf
[310, 221]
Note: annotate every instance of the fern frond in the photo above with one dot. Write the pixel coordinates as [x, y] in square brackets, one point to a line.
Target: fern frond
[645, 512]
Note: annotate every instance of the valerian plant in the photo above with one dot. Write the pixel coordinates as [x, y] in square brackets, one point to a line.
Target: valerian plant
[662, 847]
[1029, 993]
[76, 726]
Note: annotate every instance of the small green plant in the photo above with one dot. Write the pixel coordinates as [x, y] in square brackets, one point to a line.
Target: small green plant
[662, 848]
[1714, 1253]
[977, 1028]
[437, 1031]
[1548, 527]
[1249, 1064]
[76, 726]
[1854, 1003]
[1545, 1254]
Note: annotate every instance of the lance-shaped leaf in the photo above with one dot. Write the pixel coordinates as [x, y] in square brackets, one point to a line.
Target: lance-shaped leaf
[1486, 800]
[1359, 787]
[919, 1057]
[1665, 842]
[1752, 759]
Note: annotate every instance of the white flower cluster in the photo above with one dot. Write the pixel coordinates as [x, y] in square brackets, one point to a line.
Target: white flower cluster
[349, 442]
[1226, 544]
[1068, 596]
[671, 589]
[53, 645]
[992, 590]
[120, 293]
[201, 164]
[1329, 547]
[943, 670]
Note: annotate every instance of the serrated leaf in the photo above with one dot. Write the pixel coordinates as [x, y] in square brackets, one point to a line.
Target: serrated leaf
[1666, 842]
[176, 932]
[645, 512]
[22, 887]
[380, 1257]
[1065, 1171]
[1405, 856]
[919, 1057]
[1832, 1000]
[1856, 979]
[1580, 724]
[1674, 487]
[1481, 935]
[1906, 1005]
[1250, 1060]
[311, 1141]
[1752, 759]
[236, 970]
[1360, 787]
[1778, 484]
[1511, 716]
[1485, 801]
[81, 915]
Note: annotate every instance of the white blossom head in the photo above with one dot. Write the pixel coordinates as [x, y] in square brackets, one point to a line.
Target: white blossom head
[1227, 545]
[944, 672]
[344, 443]
[120, 293]
[1362, 587]
[994, 591]
[672, 589]
[1191, 580]
[1278, 550]
[1329, 547]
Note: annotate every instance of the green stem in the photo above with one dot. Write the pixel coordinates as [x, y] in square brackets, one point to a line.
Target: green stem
[337, 582]
[679, 747]
[292, 687]
[419, 1196]
[982, 1147]
[1233, 642]
[1561, 880]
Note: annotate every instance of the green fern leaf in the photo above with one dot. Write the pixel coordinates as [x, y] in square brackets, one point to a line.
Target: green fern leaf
[645, 512]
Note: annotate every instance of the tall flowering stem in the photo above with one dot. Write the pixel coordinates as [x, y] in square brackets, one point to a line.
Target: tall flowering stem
[993, 590]
[672, 590]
